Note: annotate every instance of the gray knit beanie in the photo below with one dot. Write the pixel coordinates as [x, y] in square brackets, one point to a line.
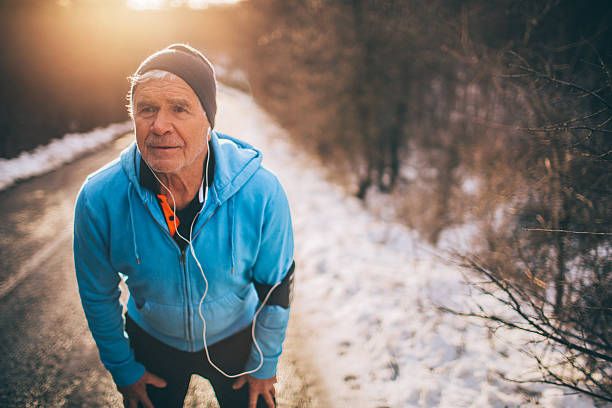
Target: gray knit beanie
[193, 67]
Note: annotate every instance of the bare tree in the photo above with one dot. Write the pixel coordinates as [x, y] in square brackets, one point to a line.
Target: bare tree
[573, 349]
[549, 260]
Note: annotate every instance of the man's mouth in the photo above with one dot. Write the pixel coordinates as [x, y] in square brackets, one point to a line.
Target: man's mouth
[164, 147]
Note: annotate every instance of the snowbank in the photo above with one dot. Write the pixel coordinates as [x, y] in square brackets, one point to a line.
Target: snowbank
[57, 152]
[368, 291]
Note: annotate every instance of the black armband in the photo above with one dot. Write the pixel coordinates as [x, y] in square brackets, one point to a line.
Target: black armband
[282, 294]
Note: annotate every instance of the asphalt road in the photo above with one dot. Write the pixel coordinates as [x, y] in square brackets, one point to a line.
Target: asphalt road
[47, 355]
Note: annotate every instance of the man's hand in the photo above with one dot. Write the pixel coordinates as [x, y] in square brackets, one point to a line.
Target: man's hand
[257, 387]
[137, 392]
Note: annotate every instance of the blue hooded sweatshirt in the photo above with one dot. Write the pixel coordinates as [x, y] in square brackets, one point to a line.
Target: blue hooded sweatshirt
[243, 235]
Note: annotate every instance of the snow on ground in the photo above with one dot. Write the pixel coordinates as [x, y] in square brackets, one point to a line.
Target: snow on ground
[57, 152]
[366, 289]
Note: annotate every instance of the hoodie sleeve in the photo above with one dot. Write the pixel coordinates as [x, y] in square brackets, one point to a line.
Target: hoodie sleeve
[99, 290]
[275, 258]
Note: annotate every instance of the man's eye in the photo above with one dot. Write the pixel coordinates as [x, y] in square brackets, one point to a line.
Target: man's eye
[179, 109]
[147, 110]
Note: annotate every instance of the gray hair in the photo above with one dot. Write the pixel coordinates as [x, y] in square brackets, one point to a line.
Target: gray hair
[136, 80]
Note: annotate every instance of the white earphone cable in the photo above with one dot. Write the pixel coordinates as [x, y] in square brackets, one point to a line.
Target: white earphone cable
[189, 242]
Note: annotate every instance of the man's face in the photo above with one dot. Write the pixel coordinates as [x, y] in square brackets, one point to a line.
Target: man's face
[171, 125]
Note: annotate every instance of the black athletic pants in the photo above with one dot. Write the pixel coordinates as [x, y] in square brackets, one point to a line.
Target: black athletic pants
[176, 367]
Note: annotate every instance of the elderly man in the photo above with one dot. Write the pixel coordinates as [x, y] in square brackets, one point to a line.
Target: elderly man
[202, 234]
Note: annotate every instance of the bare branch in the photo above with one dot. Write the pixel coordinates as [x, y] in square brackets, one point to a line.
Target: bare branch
[537, 328]
[567, 231]
[557, 128]
[567, 84]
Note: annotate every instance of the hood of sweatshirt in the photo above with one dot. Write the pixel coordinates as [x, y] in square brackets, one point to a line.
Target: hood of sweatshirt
[235, 163]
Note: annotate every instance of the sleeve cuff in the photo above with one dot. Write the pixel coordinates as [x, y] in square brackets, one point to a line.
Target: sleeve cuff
[267, 370]
[127, 374]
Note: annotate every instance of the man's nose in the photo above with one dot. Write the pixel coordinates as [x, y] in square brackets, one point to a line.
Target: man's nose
[162, 123]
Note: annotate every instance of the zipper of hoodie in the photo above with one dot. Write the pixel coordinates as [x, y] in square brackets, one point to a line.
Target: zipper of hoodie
[164, 229]
[183, 265]
[187, 297]
[184, 270]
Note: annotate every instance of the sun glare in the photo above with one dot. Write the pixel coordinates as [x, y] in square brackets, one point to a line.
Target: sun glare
[159, 4]
[197, 4]
[145, 4]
